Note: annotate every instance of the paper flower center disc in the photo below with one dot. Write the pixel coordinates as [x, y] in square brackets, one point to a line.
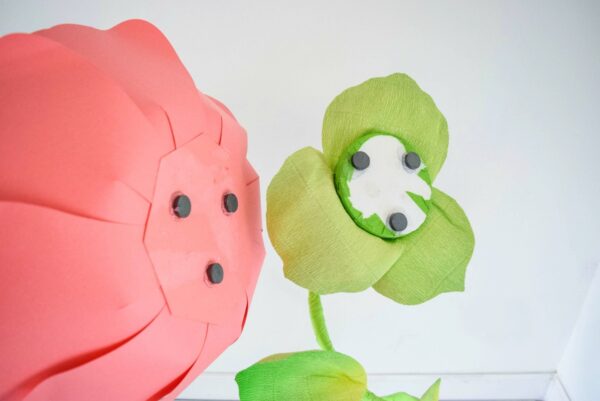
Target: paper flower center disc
[383, 186]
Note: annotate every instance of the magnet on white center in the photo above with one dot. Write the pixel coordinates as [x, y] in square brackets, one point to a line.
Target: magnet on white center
[412, 160]
[360, 160]
[398, 222]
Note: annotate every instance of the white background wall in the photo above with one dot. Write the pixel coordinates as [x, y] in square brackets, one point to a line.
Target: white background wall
[519, 83]
[579, 369]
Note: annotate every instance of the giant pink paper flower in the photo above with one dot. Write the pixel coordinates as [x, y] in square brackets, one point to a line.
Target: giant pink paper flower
[130, 235]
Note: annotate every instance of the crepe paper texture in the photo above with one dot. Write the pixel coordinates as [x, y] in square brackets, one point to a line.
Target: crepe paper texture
[328, 246]
[104, 288]
[303, 376]
[323, 249]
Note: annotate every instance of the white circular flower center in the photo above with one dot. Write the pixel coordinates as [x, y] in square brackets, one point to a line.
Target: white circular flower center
[383, 187]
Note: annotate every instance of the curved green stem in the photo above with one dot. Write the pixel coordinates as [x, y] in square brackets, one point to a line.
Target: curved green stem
[322, 334]
[318, 322]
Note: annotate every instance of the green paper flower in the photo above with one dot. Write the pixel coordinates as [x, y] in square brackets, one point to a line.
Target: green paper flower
[319, 218]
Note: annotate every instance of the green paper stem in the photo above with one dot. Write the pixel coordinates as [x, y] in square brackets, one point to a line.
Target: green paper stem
[317, 317]
[318, 322]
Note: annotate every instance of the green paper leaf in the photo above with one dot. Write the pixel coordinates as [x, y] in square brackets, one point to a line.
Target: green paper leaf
[435, 256]
[303, 376]
[322, 248]
[394, 105]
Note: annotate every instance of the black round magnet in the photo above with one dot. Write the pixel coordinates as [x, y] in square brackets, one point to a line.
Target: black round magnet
[182, 206]
[230, 203]
[412, 160]
[215, 273]
[360, 160]
[398, 222]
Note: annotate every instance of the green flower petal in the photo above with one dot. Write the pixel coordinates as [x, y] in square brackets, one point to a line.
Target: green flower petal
[394, 105]
[435, 256]
[322, 248]
[303, 376]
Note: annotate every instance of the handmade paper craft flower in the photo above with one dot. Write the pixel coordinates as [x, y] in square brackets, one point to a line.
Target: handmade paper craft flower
[130, 234]
[364, 212]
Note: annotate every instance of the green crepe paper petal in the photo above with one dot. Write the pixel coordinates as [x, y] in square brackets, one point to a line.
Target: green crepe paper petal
[303, 376]
[394, 105]
[435, 256]
[322, 249]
